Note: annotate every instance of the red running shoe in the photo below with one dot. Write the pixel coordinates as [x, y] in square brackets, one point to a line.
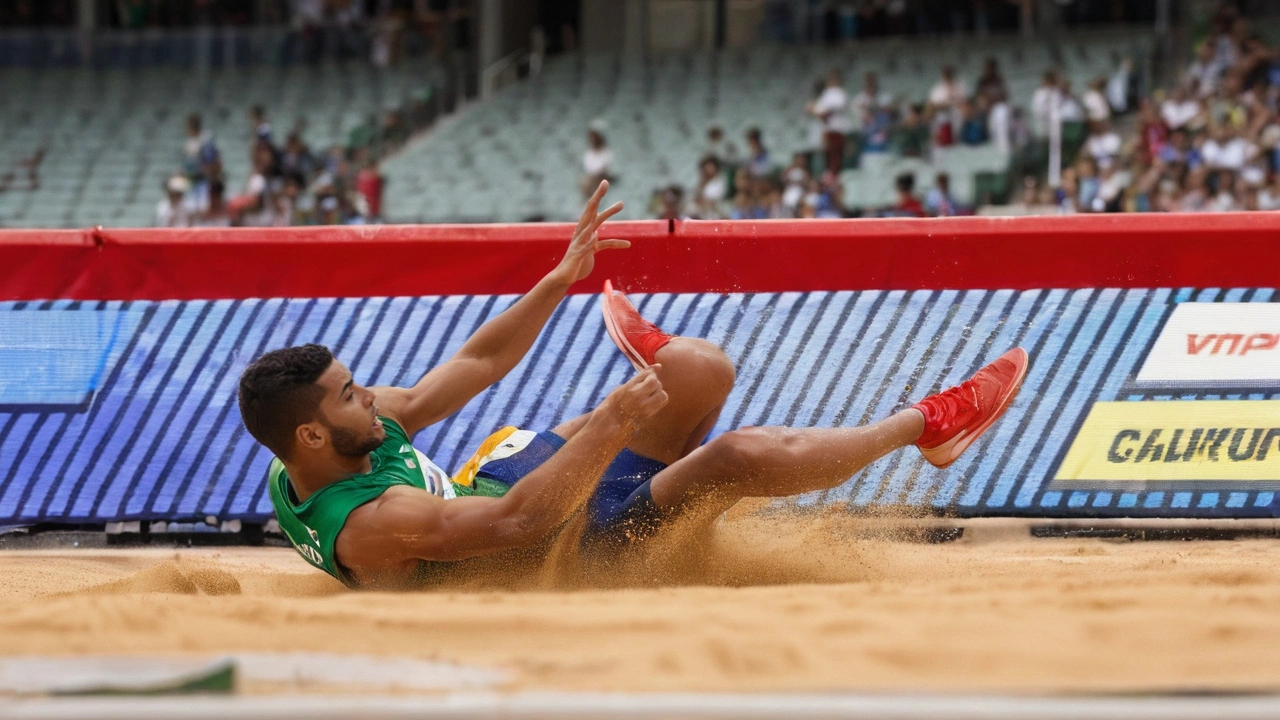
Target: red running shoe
[955, 418]
[638, 338]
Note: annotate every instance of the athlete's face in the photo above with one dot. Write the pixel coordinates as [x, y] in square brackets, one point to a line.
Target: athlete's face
[348, 414]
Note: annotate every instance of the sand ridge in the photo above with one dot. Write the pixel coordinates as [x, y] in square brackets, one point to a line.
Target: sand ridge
[769, 602]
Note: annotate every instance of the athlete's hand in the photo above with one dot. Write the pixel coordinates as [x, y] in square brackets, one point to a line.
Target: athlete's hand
[638, 398]
[580, 260]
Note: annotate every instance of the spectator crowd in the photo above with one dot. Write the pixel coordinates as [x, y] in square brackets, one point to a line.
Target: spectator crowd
[289, 184]
[1208, 142]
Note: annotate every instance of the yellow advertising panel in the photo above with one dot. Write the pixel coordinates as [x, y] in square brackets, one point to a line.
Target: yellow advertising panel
[1193, 440]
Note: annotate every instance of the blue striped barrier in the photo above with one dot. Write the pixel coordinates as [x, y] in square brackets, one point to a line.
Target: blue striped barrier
[142, 424]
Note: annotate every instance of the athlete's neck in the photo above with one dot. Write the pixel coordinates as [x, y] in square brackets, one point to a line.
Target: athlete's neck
[310, 475]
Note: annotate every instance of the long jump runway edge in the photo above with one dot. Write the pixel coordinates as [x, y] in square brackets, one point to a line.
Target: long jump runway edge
[676, 706]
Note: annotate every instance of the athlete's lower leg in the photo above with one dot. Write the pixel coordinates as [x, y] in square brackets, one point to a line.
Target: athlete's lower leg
[778, 461]
[771, 461]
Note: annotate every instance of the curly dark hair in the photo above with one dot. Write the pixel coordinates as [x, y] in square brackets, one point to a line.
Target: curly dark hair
[278, 392]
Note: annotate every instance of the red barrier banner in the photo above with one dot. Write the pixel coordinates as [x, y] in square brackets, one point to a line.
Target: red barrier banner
[1126, 251]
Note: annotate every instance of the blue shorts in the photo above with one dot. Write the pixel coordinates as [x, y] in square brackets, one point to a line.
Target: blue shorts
[621, 509]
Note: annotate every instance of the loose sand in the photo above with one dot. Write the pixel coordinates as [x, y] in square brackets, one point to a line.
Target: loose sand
[768, 603]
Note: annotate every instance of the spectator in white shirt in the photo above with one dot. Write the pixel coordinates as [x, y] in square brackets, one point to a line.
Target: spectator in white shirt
[998, 122]
[172, 211]
[1205, 71]
[832, 107]
[1226, 150]
[1269, 197]
[1069, 108]
[1103, 144]
[945, 100]
[715, 143]
[712, 188]
[1096, 107]
[1042, 102]
[949, 91]
[597, 162]
[1180, 109]
[1118, 84]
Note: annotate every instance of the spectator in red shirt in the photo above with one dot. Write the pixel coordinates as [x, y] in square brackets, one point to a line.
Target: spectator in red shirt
[369, 184]
[908, 204]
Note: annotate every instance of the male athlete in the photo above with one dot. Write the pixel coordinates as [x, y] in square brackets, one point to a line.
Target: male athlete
[359, 502]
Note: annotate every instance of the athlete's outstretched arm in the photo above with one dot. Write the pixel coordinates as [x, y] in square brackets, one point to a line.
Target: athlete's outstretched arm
[499, 345]
[384, 539]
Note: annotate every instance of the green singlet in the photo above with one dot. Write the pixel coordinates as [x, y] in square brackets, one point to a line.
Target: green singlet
[313, 525]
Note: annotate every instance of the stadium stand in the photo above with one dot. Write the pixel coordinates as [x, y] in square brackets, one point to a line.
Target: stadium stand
[107, 141]
[514, 157]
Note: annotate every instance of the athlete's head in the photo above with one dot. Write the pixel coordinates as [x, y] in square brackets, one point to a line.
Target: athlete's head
[301, 400]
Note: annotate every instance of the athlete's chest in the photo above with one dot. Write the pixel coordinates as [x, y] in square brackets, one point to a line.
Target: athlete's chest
[404, 463]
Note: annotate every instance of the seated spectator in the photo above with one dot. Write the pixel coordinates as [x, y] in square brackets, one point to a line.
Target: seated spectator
[1269, 196]
[712, 188]
[670, 202]
[1067, 195]
[999, 123]
[908, 204]
[773, 205]
[1152, 132]
[796, 179]
[1043, 101]
[945, 99]
[948, 92]
[1096, 107]
[198, 151]
[715, 143]
[369, 184]
[1087, 183]
[991, 83]
[1223, 198]
[873, 114]
[1167, 197]
[1205, 71]
[296, 158]
[911, 137]
[1181, 110]
[172, 211]
[261, 127]
[1103, 144]
[1019, 130]
[215, 212]
[1119, 88]
[939, 202]
[1069, 108]
[832, 107]
[1226, 150]
[870, 100]
[1195, 195]
[1111, 188]
[748, 203]
[1180, 151]
[758, 162]
[973, 126]
[597, 163]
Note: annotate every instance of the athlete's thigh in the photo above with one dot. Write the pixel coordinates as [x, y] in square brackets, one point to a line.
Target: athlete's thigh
[569, 428]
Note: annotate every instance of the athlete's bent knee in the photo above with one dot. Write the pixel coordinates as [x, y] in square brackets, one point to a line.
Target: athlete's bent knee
[741, 452]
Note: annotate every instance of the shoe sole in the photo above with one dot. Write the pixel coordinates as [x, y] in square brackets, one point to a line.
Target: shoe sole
[953, 449]
[611, 327]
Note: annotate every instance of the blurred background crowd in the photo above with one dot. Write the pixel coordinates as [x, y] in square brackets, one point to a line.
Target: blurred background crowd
[298, 112]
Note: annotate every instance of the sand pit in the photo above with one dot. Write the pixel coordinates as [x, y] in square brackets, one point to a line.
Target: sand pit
[769, 603]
